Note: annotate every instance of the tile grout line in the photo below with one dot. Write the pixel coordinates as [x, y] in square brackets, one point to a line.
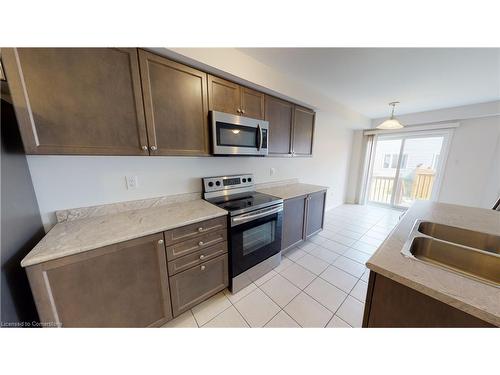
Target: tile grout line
[302, 290]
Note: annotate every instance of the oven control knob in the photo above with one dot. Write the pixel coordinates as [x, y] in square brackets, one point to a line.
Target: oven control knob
[210, 184]
[217, 183]
[244, 180]
[249, 179]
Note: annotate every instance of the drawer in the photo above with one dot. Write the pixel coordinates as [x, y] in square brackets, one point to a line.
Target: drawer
[192, 230]
[196, 258]
[187, 247]
[190, 287]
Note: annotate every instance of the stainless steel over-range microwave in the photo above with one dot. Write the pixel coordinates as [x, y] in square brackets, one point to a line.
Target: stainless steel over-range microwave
[238, 135]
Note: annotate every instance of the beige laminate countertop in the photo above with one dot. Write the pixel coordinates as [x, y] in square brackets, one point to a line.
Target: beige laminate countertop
[73, 237]
[475, 298]
[292, 190]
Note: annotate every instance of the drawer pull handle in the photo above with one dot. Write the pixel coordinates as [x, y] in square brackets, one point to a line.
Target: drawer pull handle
[202, 256]
[202, 268]
[200, 229]
[200, 243]
[160, 242]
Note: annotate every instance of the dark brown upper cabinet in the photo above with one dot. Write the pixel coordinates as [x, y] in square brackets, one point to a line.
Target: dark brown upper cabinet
[77, 100]
[252, 103]
[279, 113]
[223, 96]
[229, 97]
[176, 106]
[303, 130]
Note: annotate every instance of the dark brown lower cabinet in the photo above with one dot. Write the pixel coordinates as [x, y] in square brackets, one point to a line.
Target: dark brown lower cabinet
[197, 262]
[188, 288]
[302, 218]
[315, 213]
[205, 240]
[294, 211]
[391, 304]
[121, 285]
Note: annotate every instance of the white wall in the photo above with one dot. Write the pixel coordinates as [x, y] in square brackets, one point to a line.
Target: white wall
[471, 176]
[472, 172]
[75, 181]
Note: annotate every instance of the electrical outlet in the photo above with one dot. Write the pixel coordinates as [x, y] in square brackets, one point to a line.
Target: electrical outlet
[132, 182]
[272, 171]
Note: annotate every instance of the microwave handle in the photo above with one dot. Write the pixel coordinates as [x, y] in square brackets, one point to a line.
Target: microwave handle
[259, 131]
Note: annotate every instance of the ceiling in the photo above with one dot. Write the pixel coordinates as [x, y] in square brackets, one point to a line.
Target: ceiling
[366, 79]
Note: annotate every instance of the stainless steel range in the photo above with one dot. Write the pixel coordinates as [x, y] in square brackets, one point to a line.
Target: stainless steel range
[254, 223]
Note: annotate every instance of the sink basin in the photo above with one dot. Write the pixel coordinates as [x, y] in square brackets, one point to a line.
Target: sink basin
[477, 240]
[473, 263]
[464, 251]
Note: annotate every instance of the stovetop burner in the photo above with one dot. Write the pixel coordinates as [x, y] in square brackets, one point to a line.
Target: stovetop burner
[236, 195]
[244, 202]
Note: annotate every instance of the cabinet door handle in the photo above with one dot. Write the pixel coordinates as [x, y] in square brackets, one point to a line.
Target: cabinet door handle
[153, 148]
[243, 111]
[202, 268]
[144, 148]
[200, 243]
[200, 229]
[238, 110]
[160, 242]
[202, 256]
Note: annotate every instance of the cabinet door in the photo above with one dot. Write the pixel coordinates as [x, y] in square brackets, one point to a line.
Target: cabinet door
[122, 285]
[279, 113]
[195, 285]
[293, 221]
[252, 103]
[176, 107]
[77, 100]
[223, 96]
[303, 129]
[315, 213]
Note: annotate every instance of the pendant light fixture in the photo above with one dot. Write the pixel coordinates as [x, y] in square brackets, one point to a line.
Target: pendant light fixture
[391, 123]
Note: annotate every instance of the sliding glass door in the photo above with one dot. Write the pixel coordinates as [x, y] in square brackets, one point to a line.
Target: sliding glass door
[405, 168]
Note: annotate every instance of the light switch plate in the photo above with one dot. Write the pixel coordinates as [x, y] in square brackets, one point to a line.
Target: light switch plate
[132, 182]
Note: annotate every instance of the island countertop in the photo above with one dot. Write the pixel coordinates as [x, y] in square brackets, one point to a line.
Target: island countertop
[473, 297]
[76, 236]
[293, 190]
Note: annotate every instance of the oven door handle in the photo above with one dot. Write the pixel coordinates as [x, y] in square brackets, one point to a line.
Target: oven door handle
[255, 215]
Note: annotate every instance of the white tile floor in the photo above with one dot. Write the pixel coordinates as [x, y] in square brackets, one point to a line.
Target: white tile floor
[319, 283]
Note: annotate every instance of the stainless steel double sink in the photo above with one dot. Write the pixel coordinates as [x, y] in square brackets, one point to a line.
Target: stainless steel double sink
[464, 251]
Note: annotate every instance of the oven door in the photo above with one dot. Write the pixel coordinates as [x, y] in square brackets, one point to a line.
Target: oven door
[237, 135]
[255, 237]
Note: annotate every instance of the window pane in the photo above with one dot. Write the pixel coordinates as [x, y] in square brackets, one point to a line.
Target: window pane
[404, 161]
[387, 159]
[383, 172]
[418, 172]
